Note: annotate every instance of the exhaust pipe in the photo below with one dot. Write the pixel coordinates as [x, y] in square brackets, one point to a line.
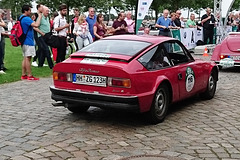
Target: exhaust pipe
[58, 104]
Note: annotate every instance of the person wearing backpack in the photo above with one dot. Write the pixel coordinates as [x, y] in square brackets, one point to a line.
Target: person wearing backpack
[28, 46]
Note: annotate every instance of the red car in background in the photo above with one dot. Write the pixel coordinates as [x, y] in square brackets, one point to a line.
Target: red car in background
[135, 73]
[227, 54]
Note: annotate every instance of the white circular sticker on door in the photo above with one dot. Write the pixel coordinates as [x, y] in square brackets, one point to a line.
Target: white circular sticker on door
[190, 79]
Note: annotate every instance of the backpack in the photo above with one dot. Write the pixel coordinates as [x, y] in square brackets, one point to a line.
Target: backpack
[17, 36]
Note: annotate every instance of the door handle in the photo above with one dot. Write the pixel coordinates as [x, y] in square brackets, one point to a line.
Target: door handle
[179, 76]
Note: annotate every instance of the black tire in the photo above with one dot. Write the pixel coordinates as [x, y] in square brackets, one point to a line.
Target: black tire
[77, 108]
[220, 67]
[211, 87]
[160, 105]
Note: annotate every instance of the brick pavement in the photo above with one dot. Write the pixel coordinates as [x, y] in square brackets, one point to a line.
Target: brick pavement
[31, 128]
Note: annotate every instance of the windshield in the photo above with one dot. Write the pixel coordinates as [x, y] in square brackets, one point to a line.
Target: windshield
[124, 47]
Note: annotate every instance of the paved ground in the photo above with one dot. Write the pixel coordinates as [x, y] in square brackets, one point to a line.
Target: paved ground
[30, 128]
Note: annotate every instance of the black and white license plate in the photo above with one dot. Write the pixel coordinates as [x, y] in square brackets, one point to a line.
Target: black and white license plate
[90, 80]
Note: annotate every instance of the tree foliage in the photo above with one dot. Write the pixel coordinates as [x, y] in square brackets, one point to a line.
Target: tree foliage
[236, 5]
[104, 6]
[14, 5]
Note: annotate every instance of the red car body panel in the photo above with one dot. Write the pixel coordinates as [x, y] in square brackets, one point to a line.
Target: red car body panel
[144, 83]
[227, 54]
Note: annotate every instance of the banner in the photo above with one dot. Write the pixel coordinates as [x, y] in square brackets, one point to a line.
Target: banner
[185, 37]
[176, 34]
[192, 43]
[188, 36]
[199, 35]
[142, 9]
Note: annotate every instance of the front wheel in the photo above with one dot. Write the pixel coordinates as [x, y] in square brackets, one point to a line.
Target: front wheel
[160, 105]
[77, 108]
[211, 87]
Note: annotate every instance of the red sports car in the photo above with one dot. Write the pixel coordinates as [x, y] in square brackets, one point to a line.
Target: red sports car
[135, 73]
[227, 54]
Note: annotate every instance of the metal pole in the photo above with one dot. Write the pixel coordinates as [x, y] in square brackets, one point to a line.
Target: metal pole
[218, 15]
[136, 11]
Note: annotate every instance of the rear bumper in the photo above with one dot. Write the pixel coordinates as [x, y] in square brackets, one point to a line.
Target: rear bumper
[236, 64]
[95, 99]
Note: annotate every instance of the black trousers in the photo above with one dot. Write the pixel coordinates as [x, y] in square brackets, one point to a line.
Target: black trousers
[61, 51]
[3, 46]
[208, 34]
[162, 33]
[38, 53]
[45, 53]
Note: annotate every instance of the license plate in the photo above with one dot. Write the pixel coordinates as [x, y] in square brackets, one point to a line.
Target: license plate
[235, 58]
[227, 62]
[90, 80]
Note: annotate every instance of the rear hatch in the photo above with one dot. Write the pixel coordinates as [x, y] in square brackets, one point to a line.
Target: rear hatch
[233, 42]
[92, 72]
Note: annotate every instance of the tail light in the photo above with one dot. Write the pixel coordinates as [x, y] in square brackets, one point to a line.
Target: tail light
[224, 56]
[119, 82]
[61, 76]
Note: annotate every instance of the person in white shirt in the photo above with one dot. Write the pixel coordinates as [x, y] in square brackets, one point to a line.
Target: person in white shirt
[61, 26]
[81, 31]
[10, 25]
[130, 23]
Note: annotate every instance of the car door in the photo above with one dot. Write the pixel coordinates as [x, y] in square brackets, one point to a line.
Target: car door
[159, 67]
[189, 75]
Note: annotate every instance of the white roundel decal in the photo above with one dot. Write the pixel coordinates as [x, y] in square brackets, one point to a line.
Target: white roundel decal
[190, 79]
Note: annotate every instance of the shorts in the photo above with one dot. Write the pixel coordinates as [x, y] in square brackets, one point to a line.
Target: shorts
[28, 51]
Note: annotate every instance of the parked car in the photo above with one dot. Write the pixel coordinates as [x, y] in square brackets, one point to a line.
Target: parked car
[134, 73]
[227, 54]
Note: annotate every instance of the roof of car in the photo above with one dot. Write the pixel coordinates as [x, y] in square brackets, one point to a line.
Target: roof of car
[234, 33]
[145, 38]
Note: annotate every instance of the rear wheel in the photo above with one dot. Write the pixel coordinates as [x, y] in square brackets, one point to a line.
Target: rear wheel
[160, 105]
[211, 87]
[77, 108]
[219, 67]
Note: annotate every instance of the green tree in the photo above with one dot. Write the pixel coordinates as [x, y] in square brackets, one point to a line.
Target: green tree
[236, 5]
[54, 4]
[15, 6]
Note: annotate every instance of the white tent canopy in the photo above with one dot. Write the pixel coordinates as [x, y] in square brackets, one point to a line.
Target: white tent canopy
[226, 6]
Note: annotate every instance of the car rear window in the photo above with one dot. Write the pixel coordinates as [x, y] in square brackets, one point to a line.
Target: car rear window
[123, 47]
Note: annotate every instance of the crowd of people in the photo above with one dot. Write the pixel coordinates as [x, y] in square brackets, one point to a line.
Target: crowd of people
[233, 20]
[83, 30]
[208, 22]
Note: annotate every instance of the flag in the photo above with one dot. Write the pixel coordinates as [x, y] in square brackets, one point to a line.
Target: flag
[142, 9]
